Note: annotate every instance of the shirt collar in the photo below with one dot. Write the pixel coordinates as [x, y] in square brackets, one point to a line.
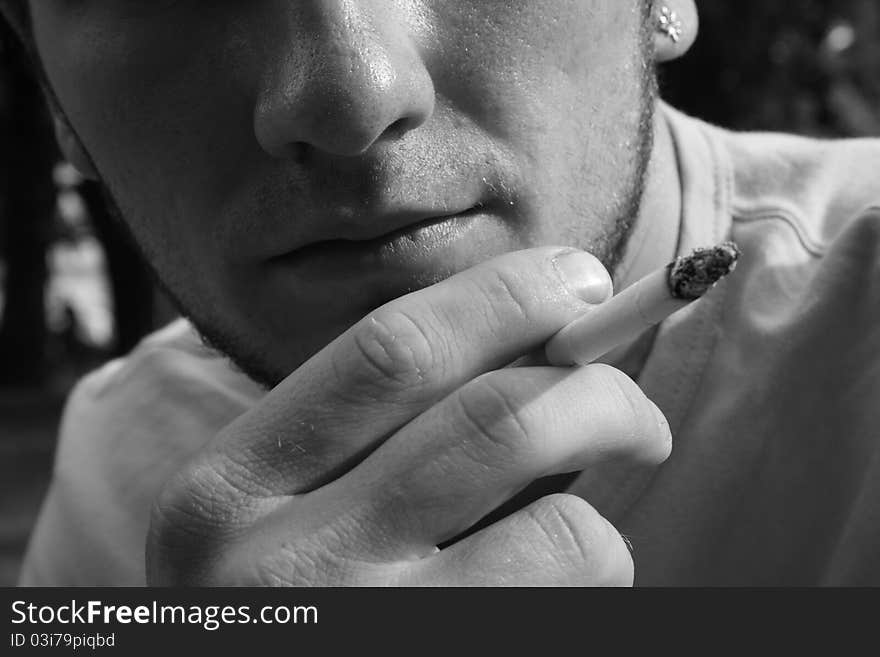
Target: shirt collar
[683, 343]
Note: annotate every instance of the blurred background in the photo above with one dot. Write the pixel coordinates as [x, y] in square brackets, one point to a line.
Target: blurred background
[74, 293]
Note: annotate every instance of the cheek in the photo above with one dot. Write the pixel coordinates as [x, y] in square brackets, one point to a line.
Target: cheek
[521, 65]
[560, 83]
[166, 109]
[166, 117]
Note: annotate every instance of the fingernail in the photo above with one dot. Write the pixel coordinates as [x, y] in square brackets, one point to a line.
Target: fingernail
[584, 275]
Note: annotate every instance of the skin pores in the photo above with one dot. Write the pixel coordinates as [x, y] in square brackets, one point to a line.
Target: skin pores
[288, 166]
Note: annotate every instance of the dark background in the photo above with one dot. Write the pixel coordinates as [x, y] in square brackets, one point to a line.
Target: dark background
[73, 292]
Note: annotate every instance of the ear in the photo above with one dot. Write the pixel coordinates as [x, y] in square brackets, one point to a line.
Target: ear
[676, 25]
[71, 146]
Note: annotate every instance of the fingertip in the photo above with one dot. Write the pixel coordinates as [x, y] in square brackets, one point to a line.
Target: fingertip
[664, 431]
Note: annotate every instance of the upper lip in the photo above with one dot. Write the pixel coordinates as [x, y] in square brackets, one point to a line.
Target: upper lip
[391, 224]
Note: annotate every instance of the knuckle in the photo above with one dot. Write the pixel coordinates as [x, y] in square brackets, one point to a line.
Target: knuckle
[196, 510]
[499, 422]
[325, 557]
[621, 390]
[503, 289]
[178, 530]
[184, 503]
[236, 474]
[570, 525]
[190, 545]
[397, 350]
[302, 566]
[583, 542]
[293, 564]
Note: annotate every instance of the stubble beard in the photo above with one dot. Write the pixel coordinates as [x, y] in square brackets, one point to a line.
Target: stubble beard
[610, 249]
[257, 364]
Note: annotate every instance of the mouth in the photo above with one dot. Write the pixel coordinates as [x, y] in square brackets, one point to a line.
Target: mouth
[353, 276]
[421, 235]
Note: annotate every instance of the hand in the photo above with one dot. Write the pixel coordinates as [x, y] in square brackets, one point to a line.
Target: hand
[403, 433]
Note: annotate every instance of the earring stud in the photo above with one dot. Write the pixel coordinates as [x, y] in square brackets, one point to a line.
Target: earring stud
[670, 24]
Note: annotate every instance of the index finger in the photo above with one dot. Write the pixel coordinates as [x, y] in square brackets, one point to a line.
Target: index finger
[402, 359]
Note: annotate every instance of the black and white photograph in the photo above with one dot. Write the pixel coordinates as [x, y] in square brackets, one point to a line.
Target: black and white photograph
[436, 294]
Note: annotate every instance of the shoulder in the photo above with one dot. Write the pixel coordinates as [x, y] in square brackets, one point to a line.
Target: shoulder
[126, 428]
[820, 188]
[169, 375]
[816, 186]
[168, 397]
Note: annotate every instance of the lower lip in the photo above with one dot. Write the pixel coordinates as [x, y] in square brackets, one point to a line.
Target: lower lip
[407, 249]
[384, 268]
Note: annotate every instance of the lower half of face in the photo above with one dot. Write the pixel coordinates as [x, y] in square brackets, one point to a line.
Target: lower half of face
[289, 167]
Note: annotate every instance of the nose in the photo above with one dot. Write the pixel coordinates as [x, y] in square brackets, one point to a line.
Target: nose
[347, 76]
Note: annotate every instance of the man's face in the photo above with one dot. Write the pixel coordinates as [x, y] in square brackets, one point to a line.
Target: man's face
[288, 166]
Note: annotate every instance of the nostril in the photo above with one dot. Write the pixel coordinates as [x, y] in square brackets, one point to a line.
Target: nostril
[398, 128]
[299, 152]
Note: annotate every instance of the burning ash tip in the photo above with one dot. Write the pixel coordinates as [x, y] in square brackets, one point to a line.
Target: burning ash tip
[690, 277]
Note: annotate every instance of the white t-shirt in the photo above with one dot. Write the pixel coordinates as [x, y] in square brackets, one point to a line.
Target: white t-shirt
[771, 385]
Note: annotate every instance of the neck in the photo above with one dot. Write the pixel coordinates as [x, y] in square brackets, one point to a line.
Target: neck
[654, 238]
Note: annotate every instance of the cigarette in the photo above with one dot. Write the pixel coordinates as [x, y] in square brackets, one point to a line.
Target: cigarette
[647, 302]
